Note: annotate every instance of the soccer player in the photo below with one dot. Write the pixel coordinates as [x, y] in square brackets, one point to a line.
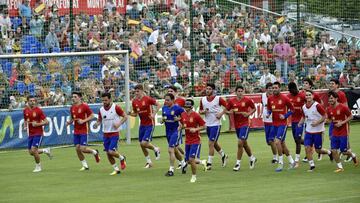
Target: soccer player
[192, 122]
[211, 107]
[280, 108]
[142, 106]
[268, 122]
[81, 114]
[171, 115]
[298, 101]
[242, 107]
[340, 115]
[111, 116]
[308, 84]
[180, 101]
[34, 120]
[314, 116]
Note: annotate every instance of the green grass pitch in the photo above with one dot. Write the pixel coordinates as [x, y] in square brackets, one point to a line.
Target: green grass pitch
[61, 180]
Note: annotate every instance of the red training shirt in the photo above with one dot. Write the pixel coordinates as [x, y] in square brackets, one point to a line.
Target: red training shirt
[143, 107]
[34, 115]
[192, 120]
[81, 111]
[242, 105]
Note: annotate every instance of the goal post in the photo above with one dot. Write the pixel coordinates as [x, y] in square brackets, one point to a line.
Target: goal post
[51, 77]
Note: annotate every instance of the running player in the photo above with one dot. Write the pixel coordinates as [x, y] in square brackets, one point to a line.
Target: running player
[211, 107]
[192, 122]
[180, 101]
[298, 101]
[314, 116]
[142, 106]
[268, 122]
[340, 115]
[242, 107]
[34, 120]
[171, 115]
[280, 108]
[81, 114]
[112, 117]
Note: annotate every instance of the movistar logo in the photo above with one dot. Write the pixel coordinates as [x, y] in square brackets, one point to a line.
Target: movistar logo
[7, 124]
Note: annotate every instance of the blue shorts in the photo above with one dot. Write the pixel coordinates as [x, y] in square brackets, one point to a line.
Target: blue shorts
[339, 142]
[173, 138]
[110, 143]
[192, 151]
[213, 132]
[313, 139]
[145, 133]
[268, 135]
[296, 130]
[279, 132]
[80, 139]
[34, 141]
[331, 128]
[242, 133]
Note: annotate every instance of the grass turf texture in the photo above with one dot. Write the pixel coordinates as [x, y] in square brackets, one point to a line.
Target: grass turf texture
[61, 180]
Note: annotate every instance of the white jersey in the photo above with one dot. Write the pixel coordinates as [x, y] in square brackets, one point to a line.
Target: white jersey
[264, 100]
[109, 118]
[312, 115]
[214, 108]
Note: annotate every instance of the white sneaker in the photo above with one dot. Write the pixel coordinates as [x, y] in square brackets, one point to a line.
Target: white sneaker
[148, 165]
[236, 167]
[204, 163]
[48, 153]
[193, 179]
[157, 154]
[252, 163]
[37, 169]
[320, 157]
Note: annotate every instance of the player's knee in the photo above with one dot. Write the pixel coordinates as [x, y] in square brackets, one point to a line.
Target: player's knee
[31, 152]
[171, 150]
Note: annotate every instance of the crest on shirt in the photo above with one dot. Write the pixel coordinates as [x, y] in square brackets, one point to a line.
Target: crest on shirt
[273, 107]
[172, 113]
[34, 114]
[243, 104]
[191, 119]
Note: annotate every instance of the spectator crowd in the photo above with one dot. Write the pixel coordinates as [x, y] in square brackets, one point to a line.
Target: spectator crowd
[225, 46]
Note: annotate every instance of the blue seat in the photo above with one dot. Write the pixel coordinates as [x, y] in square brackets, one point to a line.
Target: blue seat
[7, 68]
[31, 89]
[34, 50]
[56, 50]
[85, 71]
[67, 49]
[20, 87]
[44, 50]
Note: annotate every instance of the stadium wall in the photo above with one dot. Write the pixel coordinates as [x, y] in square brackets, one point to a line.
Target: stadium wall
[12, 134]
